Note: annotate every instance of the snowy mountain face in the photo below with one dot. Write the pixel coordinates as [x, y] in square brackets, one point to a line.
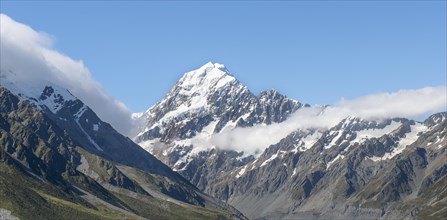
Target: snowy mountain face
[45, 95]
[48, 135]
[344, 169]
[58, 103]
[203, 102]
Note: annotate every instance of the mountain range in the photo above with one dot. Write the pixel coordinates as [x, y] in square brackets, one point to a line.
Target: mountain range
[356, 168]
[203, 153]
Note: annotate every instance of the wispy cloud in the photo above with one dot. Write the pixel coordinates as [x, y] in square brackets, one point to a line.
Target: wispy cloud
[404, 103]
[30, 54]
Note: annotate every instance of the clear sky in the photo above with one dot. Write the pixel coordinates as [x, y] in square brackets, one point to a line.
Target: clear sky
[315, 52]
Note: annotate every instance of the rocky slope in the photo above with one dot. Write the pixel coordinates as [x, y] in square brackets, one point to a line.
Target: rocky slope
[59, 160]
[358, 168]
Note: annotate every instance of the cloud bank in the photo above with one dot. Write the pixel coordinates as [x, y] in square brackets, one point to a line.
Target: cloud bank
[404, 103]
[30, 54]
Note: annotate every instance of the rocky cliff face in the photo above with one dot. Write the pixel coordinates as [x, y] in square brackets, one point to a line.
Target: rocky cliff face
[357, 168]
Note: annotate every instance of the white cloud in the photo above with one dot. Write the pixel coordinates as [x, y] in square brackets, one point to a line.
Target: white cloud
[404, 103]
[30, 54]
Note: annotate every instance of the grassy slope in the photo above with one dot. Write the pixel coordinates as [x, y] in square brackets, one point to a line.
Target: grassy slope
[30, 198]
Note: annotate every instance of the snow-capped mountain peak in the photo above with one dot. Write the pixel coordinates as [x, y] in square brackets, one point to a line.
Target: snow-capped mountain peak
[42, 93]
[210, 94]
[206, 79]
[201, 92]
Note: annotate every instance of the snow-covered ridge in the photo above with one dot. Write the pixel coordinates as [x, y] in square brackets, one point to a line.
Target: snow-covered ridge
[46, 95]
[43, 94]
[375, 132]
[408, 139]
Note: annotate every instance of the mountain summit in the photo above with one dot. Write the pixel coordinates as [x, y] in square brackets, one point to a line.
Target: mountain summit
[203, 81]
[210, 94]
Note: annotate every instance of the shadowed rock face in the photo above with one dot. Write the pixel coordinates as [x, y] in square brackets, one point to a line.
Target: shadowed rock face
[356, 169]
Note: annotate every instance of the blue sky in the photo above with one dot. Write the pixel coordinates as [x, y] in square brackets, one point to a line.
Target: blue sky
[315, 52]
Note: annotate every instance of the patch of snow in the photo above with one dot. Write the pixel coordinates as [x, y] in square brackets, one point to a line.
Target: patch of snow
[146, 129]
[334, 140]
[184, 159]
[349, 120]
[333, 160]
[409, 138]
[241, 172]
[308, 141]
[80, 112]
[413, 135]
[77, 117]
[209, 129]
[95, 127]
[224, 81]
[439, 120]
[180, 110]
[274, 156]
[375, 133]
[294, 172]
[228, 126]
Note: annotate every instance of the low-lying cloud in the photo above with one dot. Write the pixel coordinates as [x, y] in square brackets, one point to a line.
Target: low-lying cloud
[404, 103]
[30, 54]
